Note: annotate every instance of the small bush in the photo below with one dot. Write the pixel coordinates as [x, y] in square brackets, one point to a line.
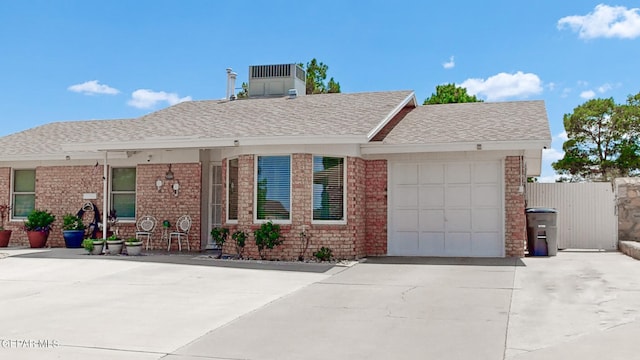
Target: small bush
[267, 237]
[323, 254]
[219, 235]
[240, 238]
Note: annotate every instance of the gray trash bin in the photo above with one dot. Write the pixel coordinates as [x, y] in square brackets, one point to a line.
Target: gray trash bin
[542, 231]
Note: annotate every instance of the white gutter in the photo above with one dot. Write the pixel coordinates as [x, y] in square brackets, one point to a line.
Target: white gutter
[380, 148]
[200, 143]
[93, 155]
[393, 113]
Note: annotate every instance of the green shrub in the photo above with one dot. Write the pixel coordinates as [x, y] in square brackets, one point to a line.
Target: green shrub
[39, 220]
[72, 222]
[323, 254]
[219, 235]
[267, 237]
[240, 239]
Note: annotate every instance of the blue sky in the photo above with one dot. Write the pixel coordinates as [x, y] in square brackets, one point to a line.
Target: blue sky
[79, 60]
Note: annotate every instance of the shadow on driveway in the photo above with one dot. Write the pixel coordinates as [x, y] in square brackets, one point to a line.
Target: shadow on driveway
[418, 260]
[185, 258]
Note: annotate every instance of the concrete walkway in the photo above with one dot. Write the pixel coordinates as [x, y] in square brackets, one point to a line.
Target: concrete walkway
[576, 305]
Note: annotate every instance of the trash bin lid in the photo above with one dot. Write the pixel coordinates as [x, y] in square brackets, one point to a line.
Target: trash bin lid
[540, 210]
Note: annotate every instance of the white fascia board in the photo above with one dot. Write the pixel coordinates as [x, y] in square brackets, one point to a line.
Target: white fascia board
[63, 156]
[372, 148]
[409, 99]
[203, 143]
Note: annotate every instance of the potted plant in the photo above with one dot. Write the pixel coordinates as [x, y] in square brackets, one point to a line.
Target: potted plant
[72, 231]
[93, 246]
[114, 245]
[5, 235]
[38, 226]
[134, 246]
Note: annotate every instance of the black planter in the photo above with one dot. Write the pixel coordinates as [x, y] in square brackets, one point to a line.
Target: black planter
[73, 238]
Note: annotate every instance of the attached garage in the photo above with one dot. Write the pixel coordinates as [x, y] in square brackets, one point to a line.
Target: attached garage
[446, 208]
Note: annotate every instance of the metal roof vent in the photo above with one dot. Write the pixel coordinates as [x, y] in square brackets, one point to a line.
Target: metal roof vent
[276, 80]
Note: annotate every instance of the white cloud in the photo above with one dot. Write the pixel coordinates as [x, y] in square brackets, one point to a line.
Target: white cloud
[550, 155]
[549, 178]
[147, 99]
[605, 21]
[449, 64]
[93, 87]
[565, 92]
[583, 83]
[551, 86]
[562, 136]
[604, 88]
[588, 94]
[505, 85]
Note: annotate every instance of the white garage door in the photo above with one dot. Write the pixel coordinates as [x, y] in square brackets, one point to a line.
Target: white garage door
[446, 209]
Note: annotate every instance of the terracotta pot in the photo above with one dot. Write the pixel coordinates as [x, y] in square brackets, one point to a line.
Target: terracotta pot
[37, 239]
[5, 235]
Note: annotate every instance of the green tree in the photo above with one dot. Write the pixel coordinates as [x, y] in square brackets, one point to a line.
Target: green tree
[244, 93]
[602, 140]
[316, 76]
[450, 93]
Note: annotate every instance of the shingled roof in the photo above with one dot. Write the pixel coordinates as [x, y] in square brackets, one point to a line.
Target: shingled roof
[326, 118]
[472, 122]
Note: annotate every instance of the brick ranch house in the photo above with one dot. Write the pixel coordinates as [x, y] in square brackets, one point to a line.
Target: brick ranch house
[363, 173]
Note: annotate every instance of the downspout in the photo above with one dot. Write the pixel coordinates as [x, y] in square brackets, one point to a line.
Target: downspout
[105, 211]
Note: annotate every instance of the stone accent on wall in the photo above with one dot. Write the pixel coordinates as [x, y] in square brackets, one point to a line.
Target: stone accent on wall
[628, 198]
[515, 233]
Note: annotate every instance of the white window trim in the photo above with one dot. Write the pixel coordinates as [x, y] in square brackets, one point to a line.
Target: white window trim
[226, 215]
[344, 194]
[12, 192]
[105, 212]
[255, 192]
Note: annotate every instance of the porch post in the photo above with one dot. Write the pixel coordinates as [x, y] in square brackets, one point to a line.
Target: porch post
[105, 211]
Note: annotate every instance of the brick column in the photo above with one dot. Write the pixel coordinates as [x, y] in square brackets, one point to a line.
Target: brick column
[515, 233]
[376, 207]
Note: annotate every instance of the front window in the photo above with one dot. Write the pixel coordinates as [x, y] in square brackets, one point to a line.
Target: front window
[24, 193]
[273, 188]
[123, 193]
[232, 190]
[328, 188]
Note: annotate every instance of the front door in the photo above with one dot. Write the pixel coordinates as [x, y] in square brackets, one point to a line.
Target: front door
[215, 202]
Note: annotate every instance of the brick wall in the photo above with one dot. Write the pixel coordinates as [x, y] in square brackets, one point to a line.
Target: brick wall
[163, 205]
[376, 207]
[515, 219]
[59, 189]
[345, 240]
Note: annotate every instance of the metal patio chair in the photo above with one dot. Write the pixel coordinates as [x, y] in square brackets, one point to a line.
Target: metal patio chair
[183, 225]
[145, 227]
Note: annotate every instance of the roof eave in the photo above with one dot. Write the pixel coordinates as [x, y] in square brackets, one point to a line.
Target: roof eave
[76, 155]
[204, 143]
[381, 148]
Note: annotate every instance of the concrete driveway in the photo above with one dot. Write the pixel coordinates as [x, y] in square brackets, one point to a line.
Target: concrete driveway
[576, 304]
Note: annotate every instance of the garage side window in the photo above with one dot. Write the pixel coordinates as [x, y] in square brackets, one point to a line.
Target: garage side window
[273, 188]
[123, 192]
[232, 190]
[328, 188]
[24, 193]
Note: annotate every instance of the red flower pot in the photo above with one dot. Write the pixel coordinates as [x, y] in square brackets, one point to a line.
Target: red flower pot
[37, 239]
